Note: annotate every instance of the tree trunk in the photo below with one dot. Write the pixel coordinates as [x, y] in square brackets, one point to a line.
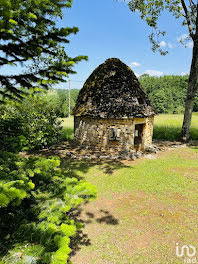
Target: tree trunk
[185, 133]
[191, 92]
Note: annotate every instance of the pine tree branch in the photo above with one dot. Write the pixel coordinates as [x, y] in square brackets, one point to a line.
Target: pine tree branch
[33, 36]
[5, 61]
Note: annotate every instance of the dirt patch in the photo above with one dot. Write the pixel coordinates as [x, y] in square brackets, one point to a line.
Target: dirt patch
[190, 173]
[129, 223]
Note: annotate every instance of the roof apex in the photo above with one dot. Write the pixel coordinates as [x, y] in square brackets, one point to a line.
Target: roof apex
[113, 91]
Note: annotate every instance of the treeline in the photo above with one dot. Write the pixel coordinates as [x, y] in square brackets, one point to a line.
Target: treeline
[167, 93]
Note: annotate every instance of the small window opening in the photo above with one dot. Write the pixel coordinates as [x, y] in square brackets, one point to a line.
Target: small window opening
[140, 101]
[114, 134]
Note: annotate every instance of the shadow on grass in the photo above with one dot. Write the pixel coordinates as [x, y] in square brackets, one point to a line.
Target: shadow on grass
[107, 218]
[194, 147]
[75, 169]
[82, 239]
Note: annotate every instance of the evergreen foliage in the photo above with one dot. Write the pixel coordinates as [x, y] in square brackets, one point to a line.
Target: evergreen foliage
[15, 181]
[35, 204]
[31, 40]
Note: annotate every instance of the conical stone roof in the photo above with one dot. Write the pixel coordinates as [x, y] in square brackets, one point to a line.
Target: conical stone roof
[113, 91]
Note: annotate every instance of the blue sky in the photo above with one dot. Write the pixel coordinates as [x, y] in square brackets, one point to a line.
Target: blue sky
[109, 29]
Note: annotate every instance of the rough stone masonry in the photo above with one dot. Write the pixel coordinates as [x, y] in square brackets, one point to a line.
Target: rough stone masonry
[113, 112]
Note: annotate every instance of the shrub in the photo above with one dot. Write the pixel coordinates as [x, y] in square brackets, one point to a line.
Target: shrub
[58, 99]
[30, 125]
[15, 181]
[36, 200]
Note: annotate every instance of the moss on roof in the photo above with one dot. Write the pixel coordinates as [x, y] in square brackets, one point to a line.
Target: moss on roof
[113, 91]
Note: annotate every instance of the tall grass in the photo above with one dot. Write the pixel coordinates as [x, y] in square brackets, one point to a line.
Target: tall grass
[166, 127]
[67, 132]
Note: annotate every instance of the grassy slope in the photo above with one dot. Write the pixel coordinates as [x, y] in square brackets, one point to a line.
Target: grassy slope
[68, 128]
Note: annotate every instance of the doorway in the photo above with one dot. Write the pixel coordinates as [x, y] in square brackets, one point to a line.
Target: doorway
[138, 136]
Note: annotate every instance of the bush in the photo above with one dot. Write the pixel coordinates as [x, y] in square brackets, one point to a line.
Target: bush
[36, 200]
[36, 196]
[58, 99]
[15, 182]
[30, 125]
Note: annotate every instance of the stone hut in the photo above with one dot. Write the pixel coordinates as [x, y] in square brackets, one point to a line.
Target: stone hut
[112, 111]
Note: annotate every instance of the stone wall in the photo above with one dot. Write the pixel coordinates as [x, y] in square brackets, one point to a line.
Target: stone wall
[94, 133]
[148, 133]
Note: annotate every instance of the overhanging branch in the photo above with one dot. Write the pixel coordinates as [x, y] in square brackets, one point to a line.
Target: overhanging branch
[188, 20]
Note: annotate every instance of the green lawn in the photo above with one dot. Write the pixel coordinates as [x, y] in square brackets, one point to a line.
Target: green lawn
[67, 132]
[166, 127]
[143, 209]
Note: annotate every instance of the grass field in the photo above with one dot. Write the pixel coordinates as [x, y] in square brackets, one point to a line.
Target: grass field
[68, 128]
[144, 207]
[166, 127]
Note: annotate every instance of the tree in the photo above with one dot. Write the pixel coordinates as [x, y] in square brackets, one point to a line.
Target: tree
[37, 196]
[187, 11]
[167, 93]
[31, 40]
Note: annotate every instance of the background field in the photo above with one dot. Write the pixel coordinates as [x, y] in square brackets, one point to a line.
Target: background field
[166, 127]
